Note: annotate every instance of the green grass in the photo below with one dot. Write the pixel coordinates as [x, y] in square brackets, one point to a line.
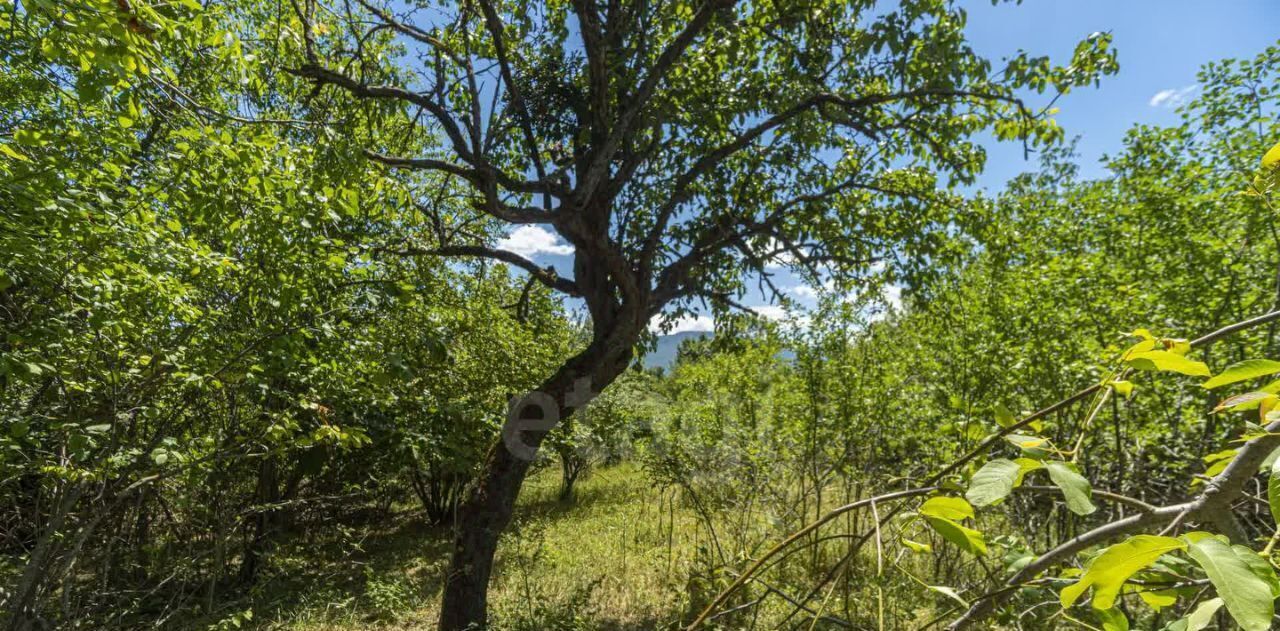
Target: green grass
[623, 555]
[617, 557]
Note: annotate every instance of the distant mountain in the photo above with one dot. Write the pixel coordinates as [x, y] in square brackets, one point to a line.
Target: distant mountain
[664, 354]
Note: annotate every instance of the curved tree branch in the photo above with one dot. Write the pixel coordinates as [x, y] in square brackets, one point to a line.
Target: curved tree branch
[547, 276]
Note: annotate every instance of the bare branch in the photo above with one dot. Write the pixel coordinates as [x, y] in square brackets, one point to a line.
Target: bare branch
[429, 164]
[494, 25]
[324, 75]
[412, 31]
[479, 177]
[681, 190]
[597, 171]
[547, 276]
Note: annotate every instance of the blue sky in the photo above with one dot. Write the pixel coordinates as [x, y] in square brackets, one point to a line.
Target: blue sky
[1161, 44]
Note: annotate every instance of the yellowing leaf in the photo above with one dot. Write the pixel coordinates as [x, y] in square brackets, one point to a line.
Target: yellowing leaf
[947, 508]
[916, 546]
[1246, 401]
[1271, 159]
[1123, 388]
[1146, 345]
[966, 539]
[1108, 571]
[1156, 599]
[1026, 442]
[1166, 361]
[13, 153]
[1142, 333]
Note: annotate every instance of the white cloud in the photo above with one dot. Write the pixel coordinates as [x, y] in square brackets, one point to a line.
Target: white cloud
[683, 324]
[811, 292]
[530, 240]
[892, 295]
[770, 312]
[1173, 97]
[776, 313]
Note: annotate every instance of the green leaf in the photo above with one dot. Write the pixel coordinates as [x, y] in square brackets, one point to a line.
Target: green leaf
[1248, 369]
[1075, 488]
[1165, 361]
[1108, 571]
[966, 539]
[997, 479]
[1217, 462]
[943, 507]
[1123, 388]
[949, 593]
[1269, 461]
[1112, 619]
[1202, 615]
[1248, 596]
[1157, 599]
[993, 482]
[1004, 416]
[13, 153]
[1261, 568]
[18, 429]
[916, 546]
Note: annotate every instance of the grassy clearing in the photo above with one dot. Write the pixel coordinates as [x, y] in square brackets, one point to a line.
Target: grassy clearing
[617, 557]
[624, 555]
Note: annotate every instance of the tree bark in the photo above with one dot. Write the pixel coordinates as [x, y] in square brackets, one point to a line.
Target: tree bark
[266, 495]
[571, 466]
[487, 509]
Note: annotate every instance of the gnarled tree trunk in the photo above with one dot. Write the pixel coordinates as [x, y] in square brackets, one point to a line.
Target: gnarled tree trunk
[488, 507]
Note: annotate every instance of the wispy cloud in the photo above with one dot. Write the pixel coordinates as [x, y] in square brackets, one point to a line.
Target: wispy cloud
[530, 240]
[1173, 97]
[683, 324]
[810, 292]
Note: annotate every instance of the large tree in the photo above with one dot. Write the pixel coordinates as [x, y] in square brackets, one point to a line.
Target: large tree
[683, 148]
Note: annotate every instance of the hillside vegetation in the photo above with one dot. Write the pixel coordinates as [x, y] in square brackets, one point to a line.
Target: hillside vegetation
[271, 357]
